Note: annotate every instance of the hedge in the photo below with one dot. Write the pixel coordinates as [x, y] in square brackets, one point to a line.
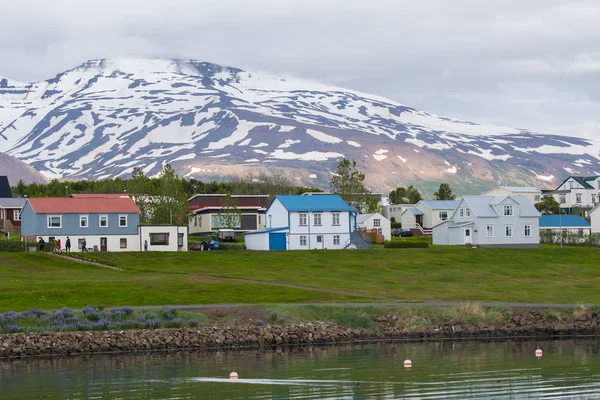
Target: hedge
[405, 245]
[11, 246]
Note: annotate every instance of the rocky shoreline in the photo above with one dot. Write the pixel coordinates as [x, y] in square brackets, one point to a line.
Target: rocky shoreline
[518, 324]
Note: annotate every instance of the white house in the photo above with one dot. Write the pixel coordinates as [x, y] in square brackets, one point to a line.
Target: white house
[595, 218]
[577, 191]
[395, 211]
[305, 222]
[491, 221]
[573, 227]
[375, 221]
[533, 194]
[426, 214]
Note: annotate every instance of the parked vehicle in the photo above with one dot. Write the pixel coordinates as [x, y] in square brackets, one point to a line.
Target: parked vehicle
[208, 243]
[227, 235]
[401, 232]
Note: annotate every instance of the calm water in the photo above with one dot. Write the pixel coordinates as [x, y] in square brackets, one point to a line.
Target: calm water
[569, 369]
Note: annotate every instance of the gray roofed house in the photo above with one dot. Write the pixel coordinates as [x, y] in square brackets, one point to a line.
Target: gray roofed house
[577, 192]
[491, 221]
[532, 193]
[425, 214]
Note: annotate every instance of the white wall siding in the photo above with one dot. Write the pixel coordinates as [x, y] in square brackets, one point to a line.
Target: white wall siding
[113, 242]
[257, 241]
[277, 216]
[385, 225]
[408, 220]
[440, 234]
[173, 232]
[294, 241]
[596, 220]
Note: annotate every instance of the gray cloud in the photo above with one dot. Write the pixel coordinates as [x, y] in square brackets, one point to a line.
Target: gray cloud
[532, 64]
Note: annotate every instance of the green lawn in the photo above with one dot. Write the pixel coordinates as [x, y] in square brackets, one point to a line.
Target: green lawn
[547, 274]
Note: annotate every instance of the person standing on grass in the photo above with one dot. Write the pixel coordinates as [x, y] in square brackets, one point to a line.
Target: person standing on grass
[68, 245]
[83, 245]
[145, 245]
[41, 242]
[58, 245]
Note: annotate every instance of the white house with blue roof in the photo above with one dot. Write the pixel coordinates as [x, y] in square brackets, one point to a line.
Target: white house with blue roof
[305, 222]
[572, 226]
[491, 221]
[426, 214]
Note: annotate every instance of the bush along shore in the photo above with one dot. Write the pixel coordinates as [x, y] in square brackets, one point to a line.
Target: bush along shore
[64, 332]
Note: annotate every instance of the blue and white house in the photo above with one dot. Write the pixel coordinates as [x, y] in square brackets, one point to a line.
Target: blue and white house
[491, 221]
[573, 228]
[306, 222]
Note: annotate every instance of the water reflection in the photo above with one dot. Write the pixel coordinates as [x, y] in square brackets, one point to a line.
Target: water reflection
[441, 370]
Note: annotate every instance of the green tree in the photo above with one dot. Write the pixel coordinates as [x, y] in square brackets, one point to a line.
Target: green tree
[348, 183]
[230, 215]
[372, 206]
[548, 205]
[444, 193]
[402, 195]
[139, 188]
[168, 203]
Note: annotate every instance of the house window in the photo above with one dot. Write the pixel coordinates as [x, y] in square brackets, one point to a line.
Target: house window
[527, 230]
[468, 211]
[489, 231]
[570, 185]
[194, 221]
[302, 240]
[336, 240]
[335, 218]
[508, 210]
[180, 239]
[317, 219]
[578, 198]
[159, 239]
[80, 243]
[581, 232]
[260, 219]
[536, 198]
[593, 199]
[443, 215]
[16, 215]
[83, 221]
[562, 199]
[376, 222]
[55, 221]
[302, 220]
[103, 221]
[319, 239]
[123, 243]
[508, 231]
[123, 221]
[461, 213]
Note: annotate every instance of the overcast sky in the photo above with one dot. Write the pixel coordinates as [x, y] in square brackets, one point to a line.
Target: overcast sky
[531, 64]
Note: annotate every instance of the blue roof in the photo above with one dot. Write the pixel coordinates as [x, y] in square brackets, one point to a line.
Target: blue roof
[415, 211]
[441, 204]
[319, 202]
[566, 221]
[267, 230]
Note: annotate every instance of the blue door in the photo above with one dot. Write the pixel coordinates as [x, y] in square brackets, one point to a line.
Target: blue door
[277, 241]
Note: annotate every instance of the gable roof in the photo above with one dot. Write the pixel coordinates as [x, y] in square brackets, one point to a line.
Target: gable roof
[481, 206]
[268, 230]
[413, 210]
[520, 189]
[12, 203]
[363, 217]
[582, 180]
[440, 204]
[5, 192]
[323, 202]
[566, 221]
[70, 205]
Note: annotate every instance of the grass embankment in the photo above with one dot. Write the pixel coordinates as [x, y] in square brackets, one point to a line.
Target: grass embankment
[541, 275]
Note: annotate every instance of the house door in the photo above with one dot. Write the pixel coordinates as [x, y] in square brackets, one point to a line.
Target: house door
[420, 220]
[103, 244]
[468, 233]
[277, 241]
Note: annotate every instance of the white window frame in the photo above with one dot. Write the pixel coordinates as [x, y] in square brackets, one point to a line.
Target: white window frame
[16, 215]
[318, 216]
[336, 240]
[578, 198]
[302, 219]
[49, 217]
[443, 215]
[121, 243]
[461, 213]
[303, 240]
[593, 198]
[376, 222]
[101, 218]
[335, 218]
[126, 221]
[571, 184]
[527, 230]
[509, 210]
[488, 229]
[85, 218]
[468, 212]
[562, 199]
[319, 238]
[507, 229]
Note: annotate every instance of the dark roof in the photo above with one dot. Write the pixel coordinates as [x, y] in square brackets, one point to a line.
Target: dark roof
[5, 192]
[582, 180]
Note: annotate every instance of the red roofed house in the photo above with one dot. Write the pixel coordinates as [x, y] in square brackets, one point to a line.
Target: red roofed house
[106, 224]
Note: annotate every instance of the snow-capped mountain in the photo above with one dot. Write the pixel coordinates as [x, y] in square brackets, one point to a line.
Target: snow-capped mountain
[105, 117]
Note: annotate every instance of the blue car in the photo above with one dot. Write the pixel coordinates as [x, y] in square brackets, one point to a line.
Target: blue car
[207, 244]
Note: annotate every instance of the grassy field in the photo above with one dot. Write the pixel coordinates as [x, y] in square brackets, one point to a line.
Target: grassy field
[547, 274]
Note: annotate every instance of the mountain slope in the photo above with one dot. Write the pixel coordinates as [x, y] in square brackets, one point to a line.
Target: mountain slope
[17, 170]
[106, 117]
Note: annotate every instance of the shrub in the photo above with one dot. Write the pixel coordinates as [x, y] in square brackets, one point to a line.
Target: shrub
[273, 316]
[395, 225]
[169, 313]
[173, 323]
[11, 246]
[260, 322]
[405, 245]
[192, 323]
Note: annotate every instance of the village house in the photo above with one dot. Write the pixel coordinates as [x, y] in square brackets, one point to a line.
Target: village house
[205, 208]
[576, 192]
[394, 211]
[375, 222]
[571, 226]
[426, 214]
[490, 221]
[104, 223]
[322, 221]
[533, 194]
[10, 214]
[595, 219]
